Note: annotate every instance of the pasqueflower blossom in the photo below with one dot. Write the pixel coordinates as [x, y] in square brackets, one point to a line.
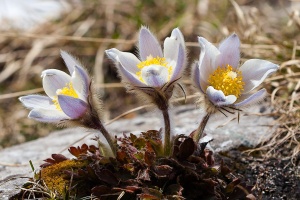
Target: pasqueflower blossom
[217, 74]
[156, 67]
[155, 72]
[66, 94]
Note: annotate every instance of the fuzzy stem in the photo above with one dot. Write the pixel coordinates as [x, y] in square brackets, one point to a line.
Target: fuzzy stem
[167, 136]
[109, 139]
[199, 132]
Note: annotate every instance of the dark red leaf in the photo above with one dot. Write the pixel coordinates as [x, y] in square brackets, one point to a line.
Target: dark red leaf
[186, 148]
[144, 175]
[107, 176]
[163, 170]
[74, 151]
[98, 191]
[59, 158]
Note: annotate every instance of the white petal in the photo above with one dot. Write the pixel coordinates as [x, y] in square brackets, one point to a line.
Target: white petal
[113, 54]
[81, 82]
[70, 61]
[128, 60]
[54, 79]
[37, 101]
[207, 60]
[148, 45]
[129, 77]
[171, 45]
[45, 115]
[255, 71]
[155, 75]
[196, 78]
[218, 98]
[249, 99]
[178, 69]
[230, 52]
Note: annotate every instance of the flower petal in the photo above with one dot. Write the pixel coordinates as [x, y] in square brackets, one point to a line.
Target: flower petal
[81, 82]
[249, 99]
[178, 69]
[255, 71]
[171, 45]
[72, 107]
[207, 60]
[230, 52]
[128, 60]
[155, 75]
[54, 79]
[148, 45]
[196, 77]
[70, 61]
[37, 101]
[45, 115]
[218, 98]
[128, 76]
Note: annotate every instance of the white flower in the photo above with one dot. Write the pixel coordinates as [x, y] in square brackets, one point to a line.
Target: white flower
[218, 76]
[156, 67]
[67, 94]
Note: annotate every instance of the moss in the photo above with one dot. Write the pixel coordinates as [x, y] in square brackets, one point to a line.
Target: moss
[54, 176]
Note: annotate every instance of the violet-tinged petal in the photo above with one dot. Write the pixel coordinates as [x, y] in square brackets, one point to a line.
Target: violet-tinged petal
[53, 80]
[218, 98]
[178, 35]
[196, 77]
[70, 61]
[249, 99]
[113, 54]
[178, 69]
[128, 60]
[255, 71]
[155, 75]
[45, 115]
[230, 52]
[171, 45]
[81, 82]
[148, 45]
[207, 59]
[72, 107]
[128, 76]
[37, 101]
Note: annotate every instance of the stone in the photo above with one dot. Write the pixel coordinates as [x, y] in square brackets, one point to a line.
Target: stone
[227, 132]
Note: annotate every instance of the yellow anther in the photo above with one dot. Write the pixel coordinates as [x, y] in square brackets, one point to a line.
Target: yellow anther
[229, 81]
[154, 61]
[67, 91]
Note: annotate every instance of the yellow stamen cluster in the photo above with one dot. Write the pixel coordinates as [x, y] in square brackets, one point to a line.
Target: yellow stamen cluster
[67, 91]
[229, 81]
[153, 61]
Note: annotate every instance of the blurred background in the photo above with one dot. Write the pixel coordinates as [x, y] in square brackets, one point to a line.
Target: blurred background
[33, 33]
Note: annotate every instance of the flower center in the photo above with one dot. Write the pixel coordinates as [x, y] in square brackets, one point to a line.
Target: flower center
[67, 91]
[153, 61]
[229, 81]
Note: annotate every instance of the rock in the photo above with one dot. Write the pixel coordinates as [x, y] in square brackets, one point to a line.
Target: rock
[227, 133]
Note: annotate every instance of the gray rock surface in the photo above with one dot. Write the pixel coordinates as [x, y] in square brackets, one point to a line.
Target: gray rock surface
[253, 127]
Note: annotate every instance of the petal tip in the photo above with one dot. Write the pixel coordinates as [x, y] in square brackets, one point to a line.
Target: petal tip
[112, 54]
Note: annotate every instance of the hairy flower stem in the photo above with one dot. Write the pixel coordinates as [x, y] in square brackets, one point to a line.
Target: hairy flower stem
[108, 137]
[167, 136]
[199, 132]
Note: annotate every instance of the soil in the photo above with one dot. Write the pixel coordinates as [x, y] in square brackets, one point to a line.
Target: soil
[272, 178]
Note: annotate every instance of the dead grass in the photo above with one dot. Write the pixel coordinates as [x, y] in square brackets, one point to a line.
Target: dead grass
[267, 31]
